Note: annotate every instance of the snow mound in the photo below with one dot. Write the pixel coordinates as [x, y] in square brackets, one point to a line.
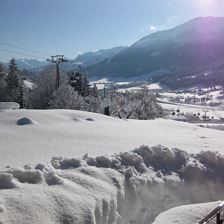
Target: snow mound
[24, 121]
[60, 163]
[2, 208]
[9, 106]
[59, 134]
[162, 158]
[6, 181]
[27, 176]
[90, 119]
[132, 159]
[126, 187]
[52, 178]
[186, 214]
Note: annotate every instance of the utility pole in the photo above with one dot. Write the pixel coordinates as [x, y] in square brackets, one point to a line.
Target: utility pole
[57, 59]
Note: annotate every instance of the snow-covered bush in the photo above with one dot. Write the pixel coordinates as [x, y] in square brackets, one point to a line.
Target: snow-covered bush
[92, 104]
[140, 105]
[66, 98]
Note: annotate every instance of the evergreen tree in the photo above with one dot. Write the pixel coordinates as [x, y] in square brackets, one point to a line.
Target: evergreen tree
[80, 83]
[12, 82]
[2, 84]
[94, 91]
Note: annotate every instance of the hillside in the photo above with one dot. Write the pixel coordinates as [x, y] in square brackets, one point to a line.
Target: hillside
[180, 51]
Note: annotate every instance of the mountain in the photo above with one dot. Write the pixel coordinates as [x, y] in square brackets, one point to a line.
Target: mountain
[83, 60]
[90, 58]
[182, 50]
[30, 63]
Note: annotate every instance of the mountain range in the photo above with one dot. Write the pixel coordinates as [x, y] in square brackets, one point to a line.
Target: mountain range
[83, 60]
[182, 50]
[189, 53]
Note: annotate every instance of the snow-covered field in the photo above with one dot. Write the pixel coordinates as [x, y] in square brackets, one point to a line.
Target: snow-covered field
[154, 86]
[112, 184]
[214, 112]
[48, 133]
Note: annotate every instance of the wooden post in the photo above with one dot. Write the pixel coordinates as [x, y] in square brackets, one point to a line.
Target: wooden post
[107, 111]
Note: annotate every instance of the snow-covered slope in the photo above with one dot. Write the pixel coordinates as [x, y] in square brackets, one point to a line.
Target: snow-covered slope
[31, 136]
[186, 214]
[58, 183]
[183, 50]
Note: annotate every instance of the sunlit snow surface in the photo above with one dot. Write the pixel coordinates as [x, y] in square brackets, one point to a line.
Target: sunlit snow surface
[73, 133]
[187, 214]
[121, 188]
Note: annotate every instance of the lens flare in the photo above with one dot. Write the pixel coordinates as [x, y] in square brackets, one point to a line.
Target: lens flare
[206, 6]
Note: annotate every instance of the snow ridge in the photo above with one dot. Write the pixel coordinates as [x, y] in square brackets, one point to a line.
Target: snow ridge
[128, 187]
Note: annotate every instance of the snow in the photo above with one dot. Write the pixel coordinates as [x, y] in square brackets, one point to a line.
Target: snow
[6, 181]
[79, 198]
[194, 109]
[130, 89]
[52, 133]
[24, 121]
[121, 83]
[104, 80]
[146, 182]
[187, 214]
[67, 166]
[28, 84]
[153, 86]
[9, 106]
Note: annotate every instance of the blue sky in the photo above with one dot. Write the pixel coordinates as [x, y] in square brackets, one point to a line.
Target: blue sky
[72, 27]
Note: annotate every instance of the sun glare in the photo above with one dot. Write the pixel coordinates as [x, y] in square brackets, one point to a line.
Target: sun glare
[206, 6]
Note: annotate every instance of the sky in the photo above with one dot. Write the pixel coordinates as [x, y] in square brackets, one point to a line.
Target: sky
[72, 27]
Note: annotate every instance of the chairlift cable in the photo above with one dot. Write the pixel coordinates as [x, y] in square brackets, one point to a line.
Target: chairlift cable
[20, 53]
[25, 49]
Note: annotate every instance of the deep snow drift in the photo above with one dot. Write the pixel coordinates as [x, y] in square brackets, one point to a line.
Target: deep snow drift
[57, 182]
[186, 214]
[127, 187]
[33, 136]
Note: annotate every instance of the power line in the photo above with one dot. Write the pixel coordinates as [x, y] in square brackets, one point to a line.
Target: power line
[16, 52]
[25, 49]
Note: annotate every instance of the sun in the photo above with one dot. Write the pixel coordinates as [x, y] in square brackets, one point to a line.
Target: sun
[206, 6]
